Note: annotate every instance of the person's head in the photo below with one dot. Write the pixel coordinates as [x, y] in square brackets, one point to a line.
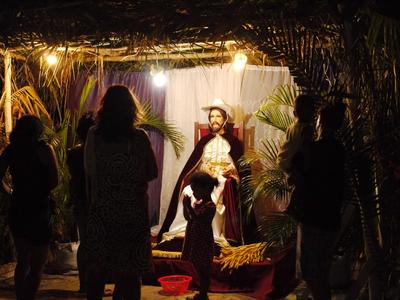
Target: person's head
[85, 122]
[304, 108]
[118, 112]
[218, 115]
[217, 119]
[27, 130]
[202, 185]
[331, 117]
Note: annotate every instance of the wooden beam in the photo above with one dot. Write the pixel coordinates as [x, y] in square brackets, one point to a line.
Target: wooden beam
[180, 51]
[154, 57]
[7, 91]
[12, 54]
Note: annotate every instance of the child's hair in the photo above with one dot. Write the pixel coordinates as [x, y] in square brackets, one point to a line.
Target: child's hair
[203, 180]
[332, 115]
[304, 108]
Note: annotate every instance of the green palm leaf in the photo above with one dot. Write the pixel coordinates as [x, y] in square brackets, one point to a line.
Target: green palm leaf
[267, 180]
[76, 115]
[272, 115]
[278, 231]
[148, 120]
[284, 95]
[274, 111]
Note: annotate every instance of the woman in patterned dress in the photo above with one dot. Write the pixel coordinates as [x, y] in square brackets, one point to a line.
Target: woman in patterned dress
[119, 163]
[199, 211]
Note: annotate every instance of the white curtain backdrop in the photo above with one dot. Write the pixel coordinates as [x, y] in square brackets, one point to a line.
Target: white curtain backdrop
[188, 90]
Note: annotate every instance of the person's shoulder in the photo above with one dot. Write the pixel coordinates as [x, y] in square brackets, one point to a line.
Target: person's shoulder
[139, 132]
[44, 150]
[76, 148]
[44, 147]
[231, 138]
[205, 139]
[92, 130]
[75, 151]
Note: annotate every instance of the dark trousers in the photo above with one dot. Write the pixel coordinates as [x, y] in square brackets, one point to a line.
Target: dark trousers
[127, 287]
[315, 260]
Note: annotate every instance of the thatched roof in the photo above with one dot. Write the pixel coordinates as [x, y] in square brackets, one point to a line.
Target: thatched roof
[297, 33]
[128, 29]
[114, 23]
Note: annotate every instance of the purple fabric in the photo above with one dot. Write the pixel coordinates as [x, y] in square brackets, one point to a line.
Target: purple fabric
[141, 85]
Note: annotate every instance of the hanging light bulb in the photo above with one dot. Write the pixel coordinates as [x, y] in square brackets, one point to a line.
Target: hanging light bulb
[51, 59]
[159, 79]
[239, 62]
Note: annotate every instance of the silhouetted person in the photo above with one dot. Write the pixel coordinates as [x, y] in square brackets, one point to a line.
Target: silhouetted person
[298, 137]
[323, 200]
[119, 163]
[78, 191]
[199, 210]
[33, 168]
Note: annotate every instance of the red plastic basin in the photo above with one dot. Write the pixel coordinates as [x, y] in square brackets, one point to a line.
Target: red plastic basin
[175, 284]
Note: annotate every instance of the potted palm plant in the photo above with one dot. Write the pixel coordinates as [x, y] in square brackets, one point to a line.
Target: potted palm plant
[266, 183]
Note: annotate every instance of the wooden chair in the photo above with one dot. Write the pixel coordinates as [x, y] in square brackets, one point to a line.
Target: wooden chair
[245, 135]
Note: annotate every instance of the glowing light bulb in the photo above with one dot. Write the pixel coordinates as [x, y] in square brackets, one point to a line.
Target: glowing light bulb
[239, 61]
[51, 59]
[159, 79]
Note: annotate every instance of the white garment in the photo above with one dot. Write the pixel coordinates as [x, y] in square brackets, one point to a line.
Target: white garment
[291, 145]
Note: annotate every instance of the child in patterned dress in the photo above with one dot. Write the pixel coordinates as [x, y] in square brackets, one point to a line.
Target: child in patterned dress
[199, 210]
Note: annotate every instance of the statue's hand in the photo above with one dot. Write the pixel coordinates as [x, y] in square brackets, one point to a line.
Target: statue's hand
[227, 171]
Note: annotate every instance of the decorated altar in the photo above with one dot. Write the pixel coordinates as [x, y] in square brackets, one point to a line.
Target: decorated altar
[241, 269]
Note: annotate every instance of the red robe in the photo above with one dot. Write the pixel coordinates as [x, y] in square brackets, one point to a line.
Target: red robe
[230, 193]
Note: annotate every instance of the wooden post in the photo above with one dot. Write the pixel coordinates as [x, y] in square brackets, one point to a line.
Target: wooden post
[7, 91]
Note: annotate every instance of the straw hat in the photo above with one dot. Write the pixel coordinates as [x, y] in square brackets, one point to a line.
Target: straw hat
[218, 103]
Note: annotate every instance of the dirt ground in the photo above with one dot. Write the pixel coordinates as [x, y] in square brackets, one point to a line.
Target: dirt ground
[65, 287]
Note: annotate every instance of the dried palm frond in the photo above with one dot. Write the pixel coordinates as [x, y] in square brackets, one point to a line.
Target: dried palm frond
[232, 258]
[27, 101]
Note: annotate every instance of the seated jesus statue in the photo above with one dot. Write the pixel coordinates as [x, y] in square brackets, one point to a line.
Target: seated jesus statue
[217, 154]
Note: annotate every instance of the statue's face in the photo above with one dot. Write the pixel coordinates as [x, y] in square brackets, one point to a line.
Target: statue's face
[216, 120]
